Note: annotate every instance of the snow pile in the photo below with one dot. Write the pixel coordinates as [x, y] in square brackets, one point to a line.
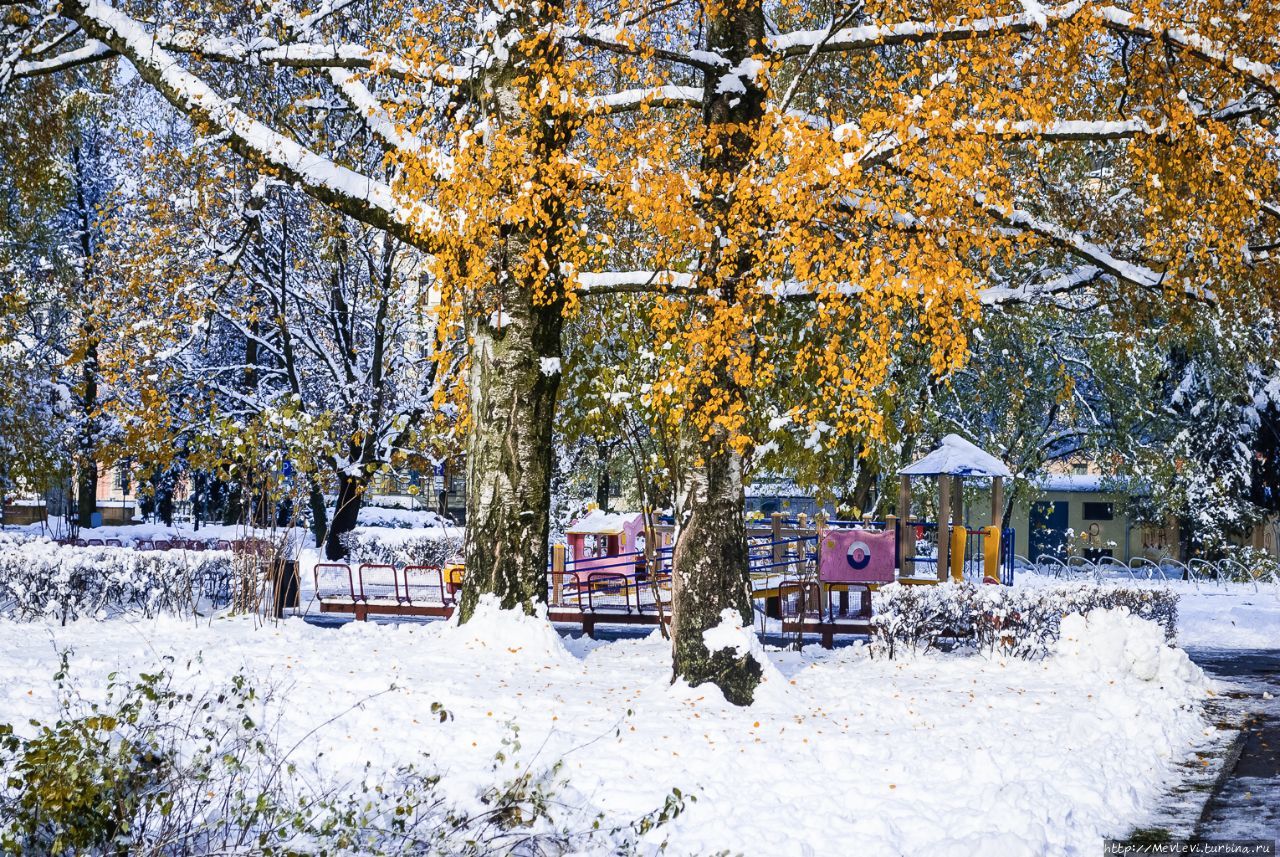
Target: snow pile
[1023, 620]
[1021, 757]
[730, 634]
[396, 546]
[1228, 615]
[131, 534]
[1010, 756]
[505, 633]
[1117, 645]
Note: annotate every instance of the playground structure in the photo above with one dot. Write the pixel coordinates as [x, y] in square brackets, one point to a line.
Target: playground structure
[802, 570]
[598, 540]
[950, 464]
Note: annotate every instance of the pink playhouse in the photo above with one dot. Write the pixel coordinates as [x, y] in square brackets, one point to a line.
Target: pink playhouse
[603, 541]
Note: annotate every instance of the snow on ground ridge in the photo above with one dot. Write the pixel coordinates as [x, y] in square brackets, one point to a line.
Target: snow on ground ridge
[1021, 757]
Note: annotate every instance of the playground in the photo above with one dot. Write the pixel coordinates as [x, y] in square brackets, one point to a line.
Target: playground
[804, 573]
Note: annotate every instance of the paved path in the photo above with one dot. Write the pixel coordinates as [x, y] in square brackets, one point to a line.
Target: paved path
[1248, 807]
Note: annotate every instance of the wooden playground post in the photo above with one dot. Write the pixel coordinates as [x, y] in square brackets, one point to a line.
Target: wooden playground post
[997, 502]
[944, 528]
[819, 527]
[957, 522]
[776, 521]
[905, 547]
[557, 575]
[773, 606]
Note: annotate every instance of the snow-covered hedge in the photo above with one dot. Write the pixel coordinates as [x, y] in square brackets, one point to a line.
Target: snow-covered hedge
[1022, 621]
[41, 579]
[383, 516]
[435, 546]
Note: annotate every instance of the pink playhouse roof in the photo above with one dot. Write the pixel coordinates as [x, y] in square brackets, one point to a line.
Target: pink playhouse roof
[598, 523]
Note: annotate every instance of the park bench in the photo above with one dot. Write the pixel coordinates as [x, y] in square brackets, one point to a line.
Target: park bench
[376, 589]
[381, 589]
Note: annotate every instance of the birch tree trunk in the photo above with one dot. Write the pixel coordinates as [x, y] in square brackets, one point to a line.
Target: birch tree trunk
[710, 558]
[509, 453]
[515, 348]
[710, 566]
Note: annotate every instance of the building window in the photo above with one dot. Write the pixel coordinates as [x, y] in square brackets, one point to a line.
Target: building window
[1080, 469]
[122, 479]
[1098, 511]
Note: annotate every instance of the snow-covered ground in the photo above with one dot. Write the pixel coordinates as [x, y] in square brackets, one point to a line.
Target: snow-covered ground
[1229, 616]
[841, 753]
[1211, 614]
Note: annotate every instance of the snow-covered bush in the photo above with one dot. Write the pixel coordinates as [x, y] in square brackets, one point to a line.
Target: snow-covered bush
[1257, 565]
[917, 617]
[41, 579]
[436, 546]
[1022, 621]
[398, 518]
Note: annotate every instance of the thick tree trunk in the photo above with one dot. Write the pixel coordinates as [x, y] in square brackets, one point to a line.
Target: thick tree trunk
[515, 344]
[319, 513]
[346, 513]
[87, 465]
[86, 488]
[710, 563]
[509, 453]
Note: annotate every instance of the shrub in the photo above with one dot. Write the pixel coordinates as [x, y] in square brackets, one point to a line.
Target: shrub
[41, 579]
[391, 547]
[1257, 565]
[1023, 621]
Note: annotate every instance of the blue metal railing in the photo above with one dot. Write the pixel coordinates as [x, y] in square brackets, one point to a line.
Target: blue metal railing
[796, 551]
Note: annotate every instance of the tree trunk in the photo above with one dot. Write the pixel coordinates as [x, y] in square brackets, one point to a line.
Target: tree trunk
[319, 513]
[509, 453]
[87, 466]
[709, 564]
[602, 483]
[86, 487]
[346, 513]
[515, 330]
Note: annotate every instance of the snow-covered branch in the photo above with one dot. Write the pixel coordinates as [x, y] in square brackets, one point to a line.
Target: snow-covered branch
[372, 112]
[802, 43]
[654, 96]
[600, 283]
[359, 196]
[1072, 242]
[633, 282]
[90, 52]
[1062, 129]
[1206, 49]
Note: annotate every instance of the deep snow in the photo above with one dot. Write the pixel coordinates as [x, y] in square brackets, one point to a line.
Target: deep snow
[945, 754]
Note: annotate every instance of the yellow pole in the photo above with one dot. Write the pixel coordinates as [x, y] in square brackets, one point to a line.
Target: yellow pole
[991, 555]
[958, 538]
